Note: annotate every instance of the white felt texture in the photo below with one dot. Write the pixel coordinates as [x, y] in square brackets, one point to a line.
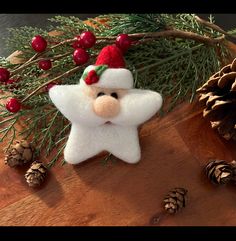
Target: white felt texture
[75, 104]
[137, 107]
[90, 135]
[85, 142]
[113, 78]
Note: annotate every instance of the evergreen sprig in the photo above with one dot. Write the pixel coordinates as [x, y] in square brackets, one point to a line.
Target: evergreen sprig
[174, 65]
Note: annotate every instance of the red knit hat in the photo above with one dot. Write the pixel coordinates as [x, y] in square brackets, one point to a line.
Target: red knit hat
[111, 56]
[109, 70]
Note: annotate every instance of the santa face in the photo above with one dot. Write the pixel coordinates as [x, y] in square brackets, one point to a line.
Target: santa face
[104, 119]
[95, 106]
[106, 102]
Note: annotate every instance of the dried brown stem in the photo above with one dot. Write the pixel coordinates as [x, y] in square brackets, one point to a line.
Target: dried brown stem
[144, 36]
[62, 43]
[149, 35]
[213, 26]
[173, 33]
[67, 73]
[28, 63]
[34, 57]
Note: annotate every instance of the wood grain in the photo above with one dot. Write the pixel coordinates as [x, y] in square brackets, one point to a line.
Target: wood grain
[174, 151]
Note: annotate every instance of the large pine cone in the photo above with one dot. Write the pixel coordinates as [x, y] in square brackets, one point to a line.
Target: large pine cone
[19, 154]
[219, 171]
[175, 200]
[36, 174]
[219, 96]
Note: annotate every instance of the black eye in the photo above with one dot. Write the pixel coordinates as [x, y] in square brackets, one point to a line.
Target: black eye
[114, 95]
[100, 94]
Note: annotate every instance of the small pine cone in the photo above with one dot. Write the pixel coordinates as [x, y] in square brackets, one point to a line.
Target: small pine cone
[218, 95]
[233, 165]
[219, 171]
[19, 153]
[175, 200]
[36, 174]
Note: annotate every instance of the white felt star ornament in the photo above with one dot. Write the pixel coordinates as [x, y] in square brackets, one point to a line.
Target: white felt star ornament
[105, 110]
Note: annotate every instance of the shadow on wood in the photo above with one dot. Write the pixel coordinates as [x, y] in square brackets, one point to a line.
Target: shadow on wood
[175, 149]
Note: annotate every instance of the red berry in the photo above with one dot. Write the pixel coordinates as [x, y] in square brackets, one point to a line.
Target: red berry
[78, 43]
[49, 86]
[38, 43]
[88, 39]
[123, 42]
[4, 75]
[80, 56]
[45, 64]
[91, 78]
[13, 105]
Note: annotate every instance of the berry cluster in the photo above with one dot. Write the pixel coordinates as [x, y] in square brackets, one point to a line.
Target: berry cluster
[39, 44]
[13, 105]
[83, 42]
[87, 40]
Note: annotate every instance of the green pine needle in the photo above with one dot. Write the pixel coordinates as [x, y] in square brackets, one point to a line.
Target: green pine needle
[172, 66]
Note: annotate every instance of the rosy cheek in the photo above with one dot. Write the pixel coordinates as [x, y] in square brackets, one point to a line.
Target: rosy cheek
[90, 92]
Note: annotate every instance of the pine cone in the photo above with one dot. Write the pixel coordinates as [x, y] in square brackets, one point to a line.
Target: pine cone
[233, 165]
[19, 154]
[175, 200]
[218, 95]
[219, 171]
[36, 174]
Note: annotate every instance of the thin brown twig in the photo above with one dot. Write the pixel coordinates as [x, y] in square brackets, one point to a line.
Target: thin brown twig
[213, 26]
[32, 58]
[24, 66]
[144, 36]
[67, 73]
[35, 56]
[173, 33]
[153, 35]
[27, 62]
[61, 43]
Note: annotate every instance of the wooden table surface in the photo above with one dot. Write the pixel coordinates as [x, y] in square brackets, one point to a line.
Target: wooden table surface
[175, 149]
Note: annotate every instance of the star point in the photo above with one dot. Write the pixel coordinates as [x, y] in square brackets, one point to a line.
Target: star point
[91, 134]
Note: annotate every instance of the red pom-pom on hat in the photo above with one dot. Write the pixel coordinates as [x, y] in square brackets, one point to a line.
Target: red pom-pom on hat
[91, 78]
[112, 56]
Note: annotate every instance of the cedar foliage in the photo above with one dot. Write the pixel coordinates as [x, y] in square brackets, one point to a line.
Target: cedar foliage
[175, 67]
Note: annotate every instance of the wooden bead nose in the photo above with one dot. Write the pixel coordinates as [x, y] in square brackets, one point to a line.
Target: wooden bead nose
[106, 106]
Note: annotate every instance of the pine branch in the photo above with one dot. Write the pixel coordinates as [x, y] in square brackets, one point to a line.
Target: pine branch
[173, 54]
[176, 34]
[35, 60]
[213, 26]
[152, 36]
[53, 161]
[67, 73]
